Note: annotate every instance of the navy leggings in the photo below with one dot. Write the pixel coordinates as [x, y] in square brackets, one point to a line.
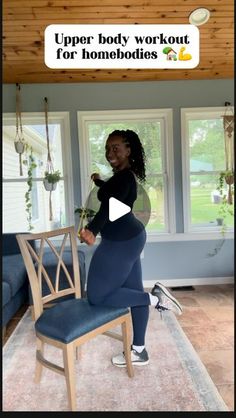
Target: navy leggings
[115, 279]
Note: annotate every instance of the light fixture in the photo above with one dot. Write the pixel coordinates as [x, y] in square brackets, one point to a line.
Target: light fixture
[199, 16]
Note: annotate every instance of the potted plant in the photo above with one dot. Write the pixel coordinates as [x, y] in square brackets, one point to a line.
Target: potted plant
[85, 213]
[226, 178]
[19, 146]
[51, 179]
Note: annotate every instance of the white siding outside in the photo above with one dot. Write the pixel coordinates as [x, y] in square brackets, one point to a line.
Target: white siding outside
[15, 186]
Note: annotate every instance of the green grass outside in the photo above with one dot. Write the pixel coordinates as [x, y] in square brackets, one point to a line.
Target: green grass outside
[204, 212]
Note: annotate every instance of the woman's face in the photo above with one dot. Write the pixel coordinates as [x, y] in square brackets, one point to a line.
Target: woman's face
[117, 153]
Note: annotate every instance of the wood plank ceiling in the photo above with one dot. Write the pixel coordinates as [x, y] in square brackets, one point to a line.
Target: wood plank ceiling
[24, 23]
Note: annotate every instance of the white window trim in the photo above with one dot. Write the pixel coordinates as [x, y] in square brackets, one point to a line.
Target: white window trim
[189, 114]
[64, 120]
[166, 117]
[180, 237]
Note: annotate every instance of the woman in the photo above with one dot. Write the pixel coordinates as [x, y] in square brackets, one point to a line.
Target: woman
[115, 275]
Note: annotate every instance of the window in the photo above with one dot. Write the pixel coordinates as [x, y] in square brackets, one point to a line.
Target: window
[203, 153]
[15, 186]
[154, 128]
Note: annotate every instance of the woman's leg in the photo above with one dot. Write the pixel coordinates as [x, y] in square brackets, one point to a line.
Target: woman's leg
[140, 314]
[109, 270]
[115, 280]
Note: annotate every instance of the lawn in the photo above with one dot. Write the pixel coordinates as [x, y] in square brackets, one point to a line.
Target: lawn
[204, 211]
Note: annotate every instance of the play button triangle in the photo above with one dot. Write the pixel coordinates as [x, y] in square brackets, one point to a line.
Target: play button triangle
[117, 209]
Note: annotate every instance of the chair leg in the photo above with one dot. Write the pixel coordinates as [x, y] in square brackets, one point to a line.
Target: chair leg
[39, 366]
[69, 366]
[126, 333]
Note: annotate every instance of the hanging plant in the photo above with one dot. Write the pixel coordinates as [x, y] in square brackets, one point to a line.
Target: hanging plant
[19, 141]
[226, 178]
[30, 162]
[228, 174]
[225, 208]
[51, 177]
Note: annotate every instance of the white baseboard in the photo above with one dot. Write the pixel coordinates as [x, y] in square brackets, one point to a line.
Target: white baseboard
[189, 281]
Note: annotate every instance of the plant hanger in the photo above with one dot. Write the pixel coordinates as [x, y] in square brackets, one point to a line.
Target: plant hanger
[228, 122]
[49, 165]
[19, 141]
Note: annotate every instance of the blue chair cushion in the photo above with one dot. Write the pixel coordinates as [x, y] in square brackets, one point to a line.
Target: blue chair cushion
[71, 319]
[13, 272]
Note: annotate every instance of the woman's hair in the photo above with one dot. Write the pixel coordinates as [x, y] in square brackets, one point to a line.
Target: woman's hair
[137, 158]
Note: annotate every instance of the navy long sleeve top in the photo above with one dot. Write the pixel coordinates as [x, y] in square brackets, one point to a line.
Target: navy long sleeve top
[122, 186]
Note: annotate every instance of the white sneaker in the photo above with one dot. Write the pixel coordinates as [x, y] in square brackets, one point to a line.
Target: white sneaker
[138, 359]
[166, 300]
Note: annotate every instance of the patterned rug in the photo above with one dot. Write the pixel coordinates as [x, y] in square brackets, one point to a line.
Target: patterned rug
[174, 380]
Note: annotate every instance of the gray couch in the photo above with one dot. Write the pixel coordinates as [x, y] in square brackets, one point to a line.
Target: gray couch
[15, 283]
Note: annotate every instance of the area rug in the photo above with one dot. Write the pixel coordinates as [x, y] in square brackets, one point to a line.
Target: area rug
[174, 380]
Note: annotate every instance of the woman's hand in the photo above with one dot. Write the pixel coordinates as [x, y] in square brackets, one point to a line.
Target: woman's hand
[95, 176]
[87, 236]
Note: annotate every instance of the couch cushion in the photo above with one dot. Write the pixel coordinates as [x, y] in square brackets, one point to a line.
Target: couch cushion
[9, 244]
[13, 272]
[13, 305]
[6, 293]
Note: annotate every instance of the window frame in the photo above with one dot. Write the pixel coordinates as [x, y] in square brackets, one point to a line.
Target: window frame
[165, 116]
[187, 114]
[62, 118]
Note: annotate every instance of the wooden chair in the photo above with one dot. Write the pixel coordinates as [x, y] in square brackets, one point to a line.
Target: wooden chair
[69, 323]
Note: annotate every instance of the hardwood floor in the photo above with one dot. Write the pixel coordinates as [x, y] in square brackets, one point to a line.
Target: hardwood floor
[208, 322]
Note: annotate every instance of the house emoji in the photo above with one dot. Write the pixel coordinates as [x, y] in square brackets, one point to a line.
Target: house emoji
[171, 55]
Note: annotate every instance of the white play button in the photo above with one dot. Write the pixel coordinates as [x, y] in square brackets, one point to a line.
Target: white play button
[117, 209]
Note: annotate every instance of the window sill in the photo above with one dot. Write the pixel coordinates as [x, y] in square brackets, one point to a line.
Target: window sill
[189, 236]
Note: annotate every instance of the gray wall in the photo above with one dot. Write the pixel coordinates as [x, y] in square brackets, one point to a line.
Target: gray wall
[163, 260]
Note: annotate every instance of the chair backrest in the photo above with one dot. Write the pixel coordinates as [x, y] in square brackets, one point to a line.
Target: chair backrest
[35, 249]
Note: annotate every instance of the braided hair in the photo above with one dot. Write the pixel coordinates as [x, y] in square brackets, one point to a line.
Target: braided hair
[137, 156]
